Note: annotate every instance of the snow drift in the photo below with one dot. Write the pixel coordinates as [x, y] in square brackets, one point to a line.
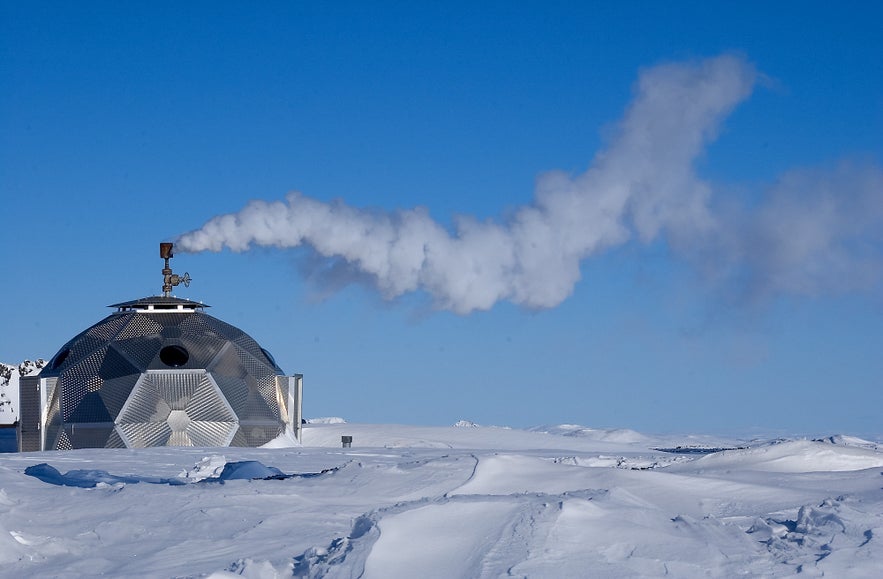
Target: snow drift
[447, 502]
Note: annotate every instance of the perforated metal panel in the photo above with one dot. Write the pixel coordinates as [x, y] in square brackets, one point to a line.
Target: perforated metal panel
[138, 326]
[29, 427]
[107, 329]
[63, 442]
[140, 350]
[176, 408]
[116, 391]
[87, 435]
[257, 433]
[114, 441]
[53, 416]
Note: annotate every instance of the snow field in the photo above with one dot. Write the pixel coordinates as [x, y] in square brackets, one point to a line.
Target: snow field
[447, 502]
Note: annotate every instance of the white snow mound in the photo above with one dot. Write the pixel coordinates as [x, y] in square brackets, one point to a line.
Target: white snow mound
[793, 456]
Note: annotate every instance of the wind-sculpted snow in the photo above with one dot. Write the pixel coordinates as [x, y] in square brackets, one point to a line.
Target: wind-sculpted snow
[834, 531]
[240, 470]
[796, 456]
[448, 502]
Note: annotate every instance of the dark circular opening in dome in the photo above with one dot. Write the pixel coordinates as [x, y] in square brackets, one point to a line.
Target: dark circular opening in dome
[174, 356]
[269, 357]
[59, 358]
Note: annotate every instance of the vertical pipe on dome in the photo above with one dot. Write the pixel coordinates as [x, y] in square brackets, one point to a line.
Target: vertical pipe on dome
[165, 252]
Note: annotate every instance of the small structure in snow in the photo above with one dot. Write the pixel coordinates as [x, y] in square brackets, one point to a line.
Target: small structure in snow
[159, 372]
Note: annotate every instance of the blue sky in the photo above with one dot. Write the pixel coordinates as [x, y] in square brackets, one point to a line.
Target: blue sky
[123, 125]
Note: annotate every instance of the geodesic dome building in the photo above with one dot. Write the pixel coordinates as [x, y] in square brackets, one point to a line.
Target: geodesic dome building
[158, 372]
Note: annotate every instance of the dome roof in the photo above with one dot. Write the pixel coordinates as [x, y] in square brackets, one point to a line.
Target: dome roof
[160, 371]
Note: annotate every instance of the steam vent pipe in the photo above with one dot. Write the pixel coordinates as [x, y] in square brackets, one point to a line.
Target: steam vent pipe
[170, 279]
[165, 252]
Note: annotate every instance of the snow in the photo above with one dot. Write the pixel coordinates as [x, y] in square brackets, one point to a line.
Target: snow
[459, 501]
[795, 456]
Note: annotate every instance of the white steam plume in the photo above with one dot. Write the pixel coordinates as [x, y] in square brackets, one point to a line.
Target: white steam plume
[643, 185]
[818, 231]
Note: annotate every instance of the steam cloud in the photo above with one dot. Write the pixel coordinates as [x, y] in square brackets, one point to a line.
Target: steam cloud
[817, 231]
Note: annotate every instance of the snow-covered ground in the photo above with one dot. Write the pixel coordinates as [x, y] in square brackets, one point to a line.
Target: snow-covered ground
[463, 501]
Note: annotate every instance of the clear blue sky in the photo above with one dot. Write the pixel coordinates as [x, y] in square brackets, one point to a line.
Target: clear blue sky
[126, 124]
